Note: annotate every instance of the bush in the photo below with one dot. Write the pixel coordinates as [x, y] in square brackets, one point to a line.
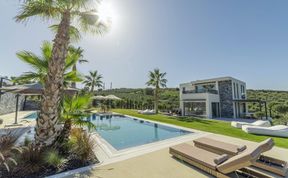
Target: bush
[53, 158]
[27, 141]
[260, 114]
[8, 150]
[82, 145]
[30, 161]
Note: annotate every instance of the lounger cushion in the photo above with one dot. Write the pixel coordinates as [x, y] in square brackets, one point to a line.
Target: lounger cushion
[201, 156]
[217, 146]
[220, 159]
[244, 159]
[266, 145]
[241, 148]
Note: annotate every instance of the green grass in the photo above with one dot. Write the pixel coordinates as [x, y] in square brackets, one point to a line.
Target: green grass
[213, 126]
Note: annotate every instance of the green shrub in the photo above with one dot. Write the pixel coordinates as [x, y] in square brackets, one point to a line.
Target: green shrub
[260, 114]
[8, 150]
[27, 141]
[82, 145]
[30, 161]
[53, 158]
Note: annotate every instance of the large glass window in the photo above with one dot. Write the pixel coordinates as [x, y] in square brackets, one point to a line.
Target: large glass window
[237, 88]
[195, 108]
[234, 88]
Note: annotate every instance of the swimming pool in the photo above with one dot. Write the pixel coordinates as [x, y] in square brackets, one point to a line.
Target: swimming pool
[125, 132]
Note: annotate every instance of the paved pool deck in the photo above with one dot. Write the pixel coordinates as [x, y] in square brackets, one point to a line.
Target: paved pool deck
[9, 119]
[160, 164]
[148, 161]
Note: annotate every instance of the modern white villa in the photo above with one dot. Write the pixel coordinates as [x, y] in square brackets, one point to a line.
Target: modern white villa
[213, 98]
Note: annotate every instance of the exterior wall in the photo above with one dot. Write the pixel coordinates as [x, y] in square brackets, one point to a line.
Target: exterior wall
[8, 103]
[212, 98]
[226, 98]
[238, 94]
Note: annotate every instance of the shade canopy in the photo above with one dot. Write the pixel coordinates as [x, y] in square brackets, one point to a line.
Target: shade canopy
[109, 97]
[99, 97]
[112, 97]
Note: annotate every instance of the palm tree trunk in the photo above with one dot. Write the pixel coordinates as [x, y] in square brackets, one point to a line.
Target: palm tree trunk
[74, 69]
[65, 133]
[92, 87]
[156, 101]
[47, 128]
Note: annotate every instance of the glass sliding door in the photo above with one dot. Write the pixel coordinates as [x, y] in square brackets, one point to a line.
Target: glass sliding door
[195, 108]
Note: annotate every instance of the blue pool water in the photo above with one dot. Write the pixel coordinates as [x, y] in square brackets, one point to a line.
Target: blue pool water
[125, 132]
[34, 115]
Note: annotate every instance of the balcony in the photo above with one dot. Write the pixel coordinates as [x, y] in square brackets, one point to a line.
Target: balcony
[200, 91]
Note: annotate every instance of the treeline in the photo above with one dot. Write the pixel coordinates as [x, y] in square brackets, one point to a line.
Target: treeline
[143, 98]
[169, 98]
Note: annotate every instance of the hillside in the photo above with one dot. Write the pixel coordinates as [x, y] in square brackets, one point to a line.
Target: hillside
[169, 98]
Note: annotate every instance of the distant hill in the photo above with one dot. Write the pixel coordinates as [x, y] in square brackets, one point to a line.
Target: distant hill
[271, 96]
[169, 97]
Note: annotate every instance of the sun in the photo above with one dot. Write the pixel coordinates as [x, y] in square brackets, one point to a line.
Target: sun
[105, 13]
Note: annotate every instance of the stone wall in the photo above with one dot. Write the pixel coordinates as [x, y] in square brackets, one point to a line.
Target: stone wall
[8, 103]
[226, 98]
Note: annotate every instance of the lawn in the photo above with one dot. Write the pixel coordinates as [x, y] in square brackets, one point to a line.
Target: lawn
[213, 126]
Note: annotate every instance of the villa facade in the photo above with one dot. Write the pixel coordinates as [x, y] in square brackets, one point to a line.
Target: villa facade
[214, 98]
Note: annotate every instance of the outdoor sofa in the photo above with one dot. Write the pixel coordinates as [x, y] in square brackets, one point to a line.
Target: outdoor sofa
[277, 130]
[260, 123]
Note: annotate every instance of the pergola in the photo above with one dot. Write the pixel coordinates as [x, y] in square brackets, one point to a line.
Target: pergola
[34, 89]
[261, 102]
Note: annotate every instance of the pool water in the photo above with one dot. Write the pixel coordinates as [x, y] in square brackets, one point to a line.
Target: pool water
[124, 132]
[34, 115]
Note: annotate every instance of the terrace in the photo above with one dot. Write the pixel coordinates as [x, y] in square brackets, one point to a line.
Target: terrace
[153, 159]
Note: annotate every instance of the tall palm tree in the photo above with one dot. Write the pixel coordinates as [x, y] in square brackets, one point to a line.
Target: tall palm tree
[81, 60]
[93, 80]
[40, 65]
[157, 80]
[76, 11]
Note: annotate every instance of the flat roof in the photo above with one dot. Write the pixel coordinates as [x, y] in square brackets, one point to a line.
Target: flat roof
[213, 80]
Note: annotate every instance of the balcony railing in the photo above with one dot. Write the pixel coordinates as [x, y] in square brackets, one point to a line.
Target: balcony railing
[200, 91]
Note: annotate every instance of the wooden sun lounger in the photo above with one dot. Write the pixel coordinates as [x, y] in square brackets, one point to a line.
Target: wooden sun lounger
[269, 164]
[205, 161]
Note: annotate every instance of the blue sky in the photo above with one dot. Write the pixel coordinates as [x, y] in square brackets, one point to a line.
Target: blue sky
[188, 39]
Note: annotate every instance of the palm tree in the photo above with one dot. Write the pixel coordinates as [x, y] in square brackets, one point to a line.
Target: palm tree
[76, 11]
[74, 109]
[93, 80]
[40, 65]
[157, 80]
[81, 60]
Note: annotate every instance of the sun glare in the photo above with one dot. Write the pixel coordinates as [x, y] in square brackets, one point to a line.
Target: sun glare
[106, 13]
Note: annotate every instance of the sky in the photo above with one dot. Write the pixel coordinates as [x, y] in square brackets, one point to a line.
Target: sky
[188, 39]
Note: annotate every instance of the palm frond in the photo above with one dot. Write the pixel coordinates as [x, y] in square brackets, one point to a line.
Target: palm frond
[72, 76]
[33, 60]
[30, 76]
[46, 49]
[43, 8]
[74, 33]
[89, 22]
